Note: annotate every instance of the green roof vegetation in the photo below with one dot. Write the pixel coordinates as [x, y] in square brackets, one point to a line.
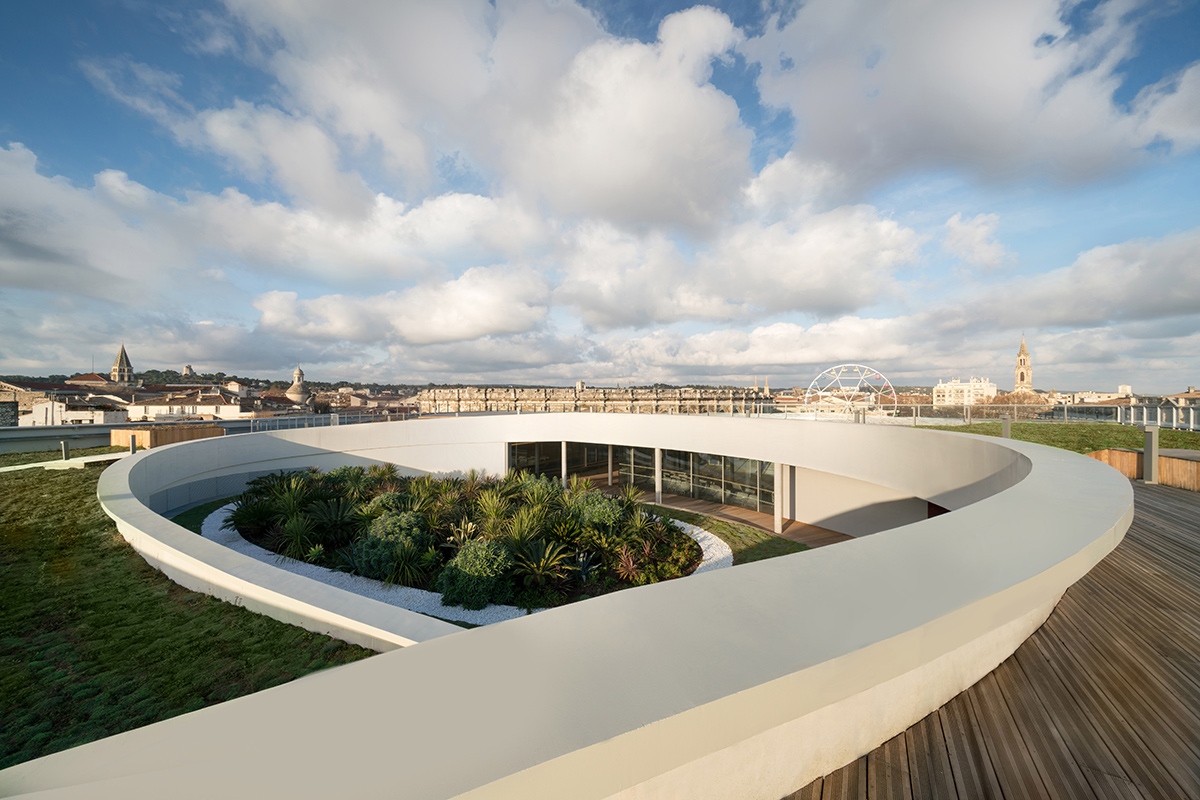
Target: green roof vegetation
[1080, 437]
[93, 641]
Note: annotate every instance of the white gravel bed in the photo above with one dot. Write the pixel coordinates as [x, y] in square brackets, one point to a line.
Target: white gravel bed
[716, 555]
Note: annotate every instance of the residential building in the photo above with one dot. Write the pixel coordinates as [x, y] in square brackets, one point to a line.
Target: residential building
[74, 411]
[958, 393]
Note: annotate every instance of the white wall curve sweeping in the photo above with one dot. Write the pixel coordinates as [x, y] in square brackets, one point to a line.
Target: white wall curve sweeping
[744, 682]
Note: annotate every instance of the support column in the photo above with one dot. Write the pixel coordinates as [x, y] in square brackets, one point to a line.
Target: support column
[1150, 455]
[1006, 426]
[610, 464]
[658, 475]
[779, 494]
[564, 465]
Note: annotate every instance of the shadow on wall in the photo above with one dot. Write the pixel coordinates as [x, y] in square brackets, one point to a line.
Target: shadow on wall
[876, 517]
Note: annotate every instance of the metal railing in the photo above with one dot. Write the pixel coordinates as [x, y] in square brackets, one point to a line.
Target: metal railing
[258, 425]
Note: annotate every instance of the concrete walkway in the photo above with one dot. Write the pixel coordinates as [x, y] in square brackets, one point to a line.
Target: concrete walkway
[72, 463]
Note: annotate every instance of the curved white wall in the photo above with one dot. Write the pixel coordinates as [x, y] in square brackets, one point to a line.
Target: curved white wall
[746, 682]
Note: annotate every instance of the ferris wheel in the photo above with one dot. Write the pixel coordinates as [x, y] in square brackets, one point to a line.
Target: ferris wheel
[847, 388]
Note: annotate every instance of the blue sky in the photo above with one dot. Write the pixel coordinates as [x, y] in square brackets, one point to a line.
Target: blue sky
[623, 192]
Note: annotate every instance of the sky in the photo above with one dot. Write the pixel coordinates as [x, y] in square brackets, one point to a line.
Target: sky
[629, 192]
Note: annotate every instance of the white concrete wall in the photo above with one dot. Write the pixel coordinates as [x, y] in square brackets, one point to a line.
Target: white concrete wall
[747, 682]
[847, 505]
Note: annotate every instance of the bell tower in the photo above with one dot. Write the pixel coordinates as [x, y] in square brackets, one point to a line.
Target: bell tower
[1023, 374]
[122, 370]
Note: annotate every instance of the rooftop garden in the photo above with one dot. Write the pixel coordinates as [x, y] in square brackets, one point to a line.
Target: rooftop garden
[1080, 437]
[519, 539]
[94, 641]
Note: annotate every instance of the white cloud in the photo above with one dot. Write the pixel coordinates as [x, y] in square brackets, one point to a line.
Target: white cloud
[819, 264]
[637, 135]
[293, 153]
[790, 183]
[1131, 281]
[482, 302]
[1171, 109]
[1004, 90]
[974, 240]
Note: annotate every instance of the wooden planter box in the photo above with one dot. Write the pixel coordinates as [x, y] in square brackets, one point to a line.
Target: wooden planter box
[1178, 472]
[166, 434]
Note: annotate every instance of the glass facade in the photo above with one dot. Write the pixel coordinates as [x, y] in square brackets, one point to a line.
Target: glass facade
[545, 458]
[729, 480]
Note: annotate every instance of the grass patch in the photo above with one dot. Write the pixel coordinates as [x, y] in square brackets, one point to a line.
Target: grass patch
[93, 641]
[193, 518]
[747, 543]
[13, 459]
[1080, 437]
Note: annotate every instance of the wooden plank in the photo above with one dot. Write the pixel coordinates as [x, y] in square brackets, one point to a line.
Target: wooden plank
[1006, 749]
[929, 761]
[1067, 749]
[1116, 704]
[1052, 758]
[1167, 629]
[810, 792]
[974, 776]
[1093, 728]
[1114, 653]
[848, 783]
[887, 771]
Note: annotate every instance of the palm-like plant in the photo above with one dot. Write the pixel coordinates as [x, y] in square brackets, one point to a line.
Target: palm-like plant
[630, 496]
[638, 524]
[541, 492]
[540, 563]
[383, 472]
[413, 564]
[524, 526]
[289, 502]
[566, 530]
[491, 508]
[295, 537]
[336, 521]
[250, 516]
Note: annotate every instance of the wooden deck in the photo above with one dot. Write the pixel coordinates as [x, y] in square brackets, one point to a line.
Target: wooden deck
[808, 535]
[801, 532]
[1103, 701]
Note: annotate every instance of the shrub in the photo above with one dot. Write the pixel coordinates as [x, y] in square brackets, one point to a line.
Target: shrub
[250, 517]
[397, 523]
[382, 503]
[476, 576]
[596, 510]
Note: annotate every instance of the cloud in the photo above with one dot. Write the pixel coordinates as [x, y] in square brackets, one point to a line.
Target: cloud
[637, 135]
[974, 241]
[482, 302]
[818, 264]
[58, 238]
[295, 154]
[1171, 109]
[1002, 90]
[1139, 280]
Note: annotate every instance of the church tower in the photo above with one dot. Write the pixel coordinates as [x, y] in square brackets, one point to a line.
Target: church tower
[122, 370]
[1023, 374]
[298, 392]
